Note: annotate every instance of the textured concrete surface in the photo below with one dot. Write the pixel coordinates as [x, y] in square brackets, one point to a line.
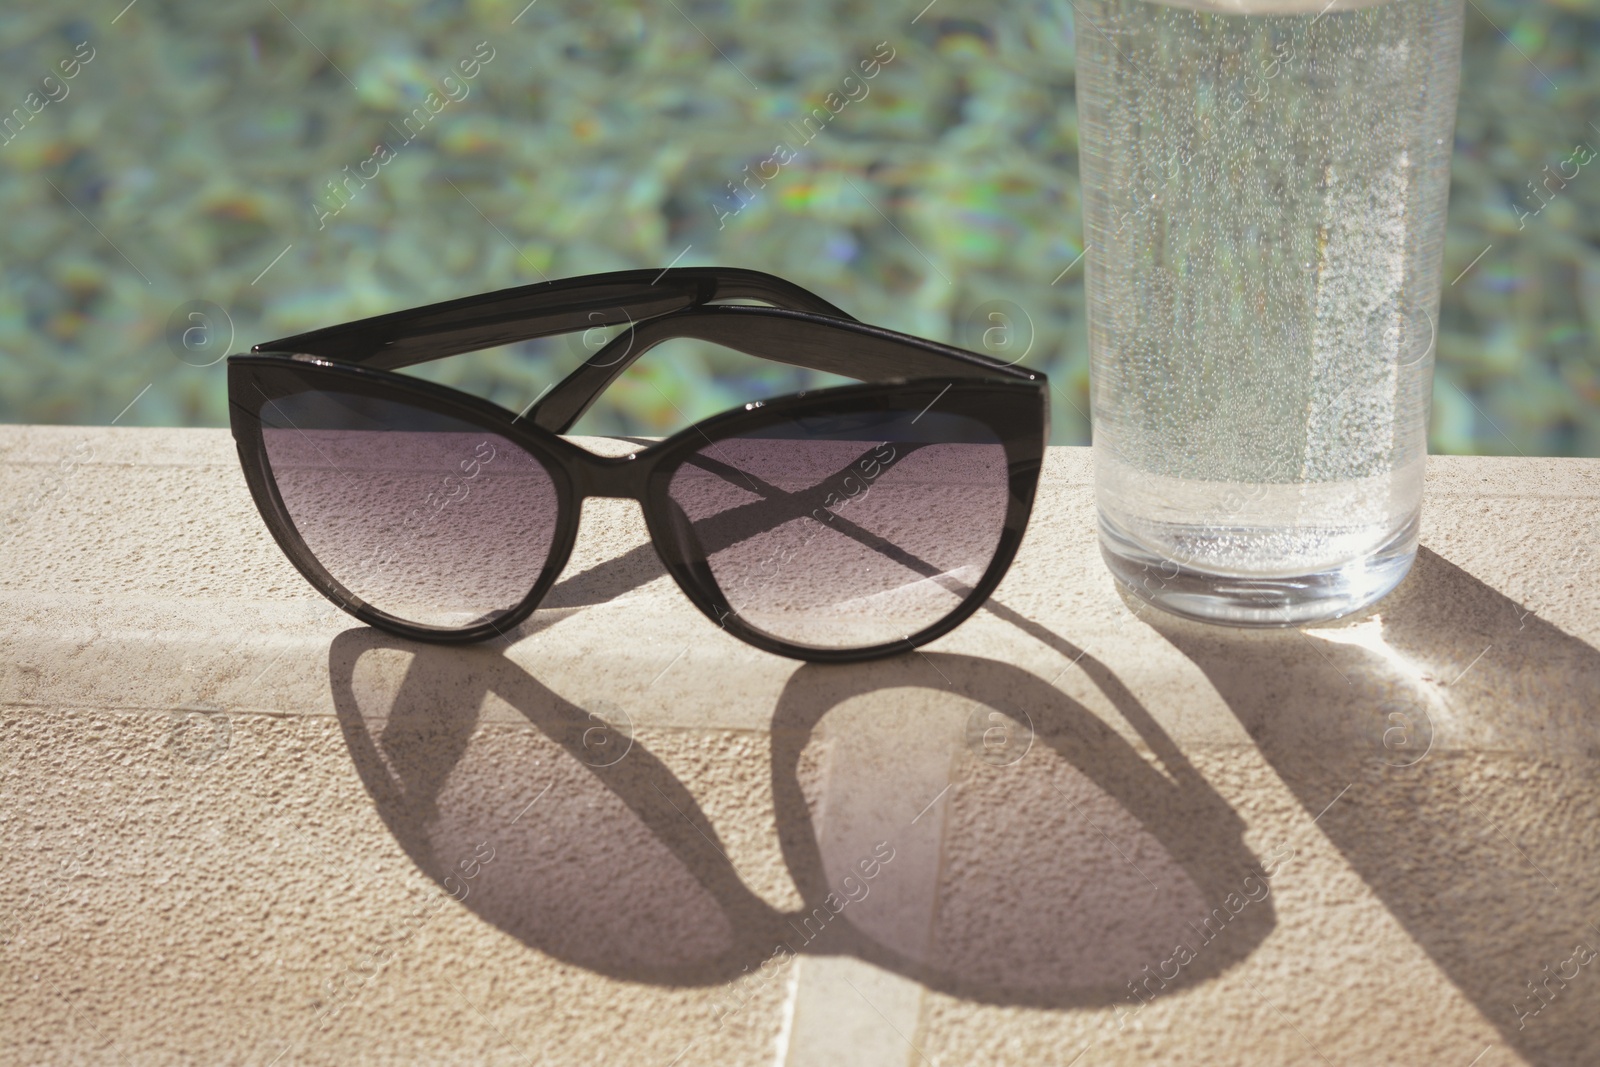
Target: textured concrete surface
[240, 827]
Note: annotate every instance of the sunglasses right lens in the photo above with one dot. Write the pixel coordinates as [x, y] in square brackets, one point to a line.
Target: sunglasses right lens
[839, 531]
[427, 518]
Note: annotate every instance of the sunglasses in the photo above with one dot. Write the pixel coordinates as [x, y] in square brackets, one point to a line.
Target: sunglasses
[832, 525]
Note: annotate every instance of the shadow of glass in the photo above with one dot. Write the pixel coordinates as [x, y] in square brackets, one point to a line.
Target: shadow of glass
[1068, 875]
[1456, 733]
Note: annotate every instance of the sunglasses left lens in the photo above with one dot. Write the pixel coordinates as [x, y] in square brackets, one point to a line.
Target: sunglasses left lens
[425, 517]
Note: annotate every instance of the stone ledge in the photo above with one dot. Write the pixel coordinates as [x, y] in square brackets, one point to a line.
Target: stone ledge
[239, 821]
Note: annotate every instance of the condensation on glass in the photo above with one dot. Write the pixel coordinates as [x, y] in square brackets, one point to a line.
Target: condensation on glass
[1264, 190]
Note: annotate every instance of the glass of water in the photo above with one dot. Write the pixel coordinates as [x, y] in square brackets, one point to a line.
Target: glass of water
[1264, 189]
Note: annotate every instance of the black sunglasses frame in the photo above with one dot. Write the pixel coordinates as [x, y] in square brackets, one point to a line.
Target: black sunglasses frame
[358, 358]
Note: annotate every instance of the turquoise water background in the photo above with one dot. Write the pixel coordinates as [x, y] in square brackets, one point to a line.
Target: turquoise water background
[183, 194]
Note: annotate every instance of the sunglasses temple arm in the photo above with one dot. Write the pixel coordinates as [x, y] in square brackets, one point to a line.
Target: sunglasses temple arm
[418, 335]
[575, 394]
[846, 348]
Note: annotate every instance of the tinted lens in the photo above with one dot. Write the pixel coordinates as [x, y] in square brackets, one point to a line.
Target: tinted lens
[425, 517]
[848, 531]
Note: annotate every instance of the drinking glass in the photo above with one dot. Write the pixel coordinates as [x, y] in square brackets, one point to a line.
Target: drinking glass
[1264, 189]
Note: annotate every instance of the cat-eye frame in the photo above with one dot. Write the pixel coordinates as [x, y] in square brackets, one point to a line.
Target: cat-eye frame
[832, 525]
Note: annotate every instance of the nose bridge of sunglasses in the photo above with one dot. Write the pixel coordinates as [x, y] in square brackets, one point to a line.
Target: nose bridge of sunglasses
[621, 476]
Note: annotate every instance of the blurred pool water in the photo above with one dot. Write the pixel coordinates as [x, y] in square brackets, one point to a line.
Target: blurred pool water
[188, 177]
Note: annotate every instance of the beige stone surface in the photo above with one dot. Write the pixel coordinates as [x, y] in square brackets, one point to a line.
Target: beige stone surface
[238, 826]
